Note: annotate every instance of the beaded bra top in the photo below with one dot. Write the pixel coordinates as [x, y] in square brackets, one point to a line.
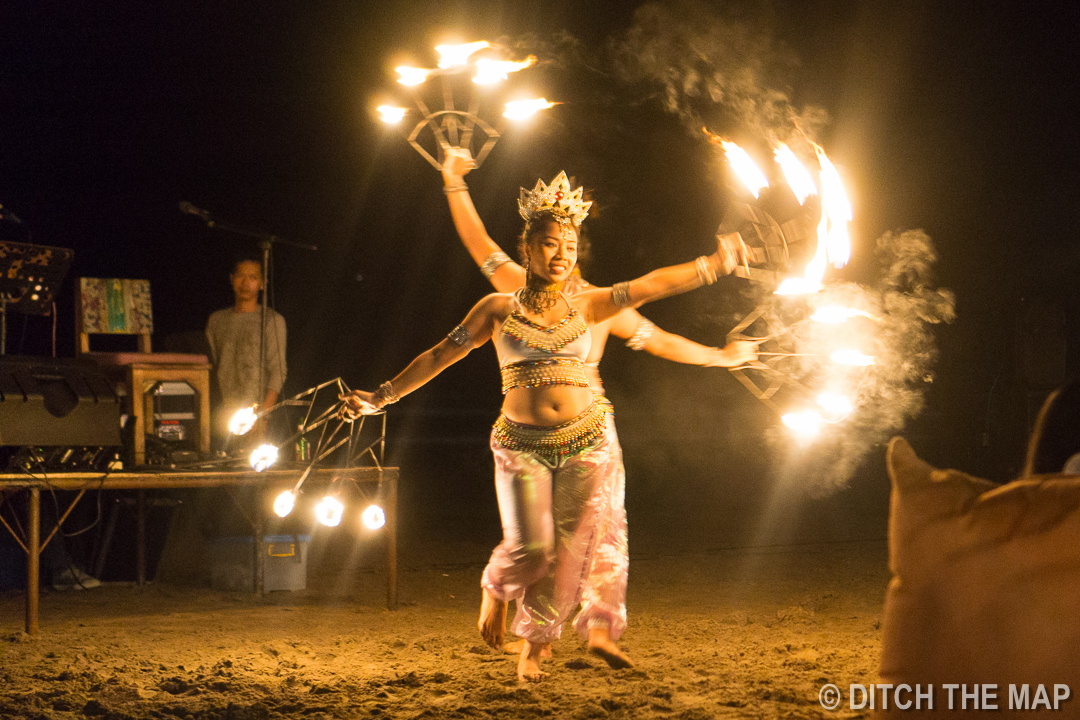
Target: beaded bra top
[531, 354]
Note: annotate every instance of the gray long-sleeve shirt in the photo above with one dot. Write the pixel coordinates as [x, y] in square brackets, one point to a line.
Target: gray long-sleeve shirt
[234, 347]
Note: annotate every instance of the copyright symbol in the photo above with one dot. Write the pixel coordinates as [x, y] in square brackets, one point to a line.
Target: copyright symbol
[829, 696]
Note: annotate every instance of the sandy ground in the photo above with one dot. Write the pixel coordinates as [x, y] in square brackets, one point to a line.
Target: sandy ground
[737, 633]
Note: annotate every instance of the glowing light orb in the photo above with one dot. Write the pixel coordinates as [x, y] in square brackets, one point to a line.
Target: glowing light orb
[522, 109]
[243, 420]
[373, 517]
[851, 357]
[329, 511]
[284, 503]
[263, 457]
[391, 115]
[806, 424]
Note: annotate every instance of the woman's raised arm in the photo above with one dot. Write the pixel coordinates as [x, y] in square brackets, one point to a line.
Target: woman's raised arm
[505, 274]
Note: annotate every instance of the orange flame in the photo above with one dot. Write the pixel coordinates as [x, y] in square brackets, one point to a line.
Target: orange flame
[833, 240]
[390, 114]
[744, 168]
[521, 109]
[851, 357]
[806, 423]
[836, 207]
[412, 76]
[796, 174]
[490, 71]
[836, 314]
[458, 55]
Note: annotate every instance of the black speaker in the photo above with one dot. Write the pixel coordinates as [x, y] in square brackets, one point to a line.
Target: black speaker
[57, 402]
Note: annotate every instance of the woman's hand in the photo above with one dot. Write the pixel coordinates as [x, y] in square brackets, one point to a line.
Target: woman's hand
[356, 403]
[735, 354]
[457, 164]
[732, 252]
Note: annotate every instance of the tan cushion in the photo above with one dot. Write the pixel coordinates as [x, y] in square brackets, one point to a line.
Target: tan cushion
[985, 580]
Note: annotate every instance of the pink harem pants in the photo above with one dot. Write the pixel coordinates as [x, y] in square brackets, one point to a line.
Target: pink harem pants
[564, 539]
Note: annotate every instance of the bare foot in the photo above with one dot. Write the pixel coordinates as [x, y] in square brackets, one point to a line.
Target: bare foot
[601, 645]
[529, 663]
[514, 647]
[492, 622]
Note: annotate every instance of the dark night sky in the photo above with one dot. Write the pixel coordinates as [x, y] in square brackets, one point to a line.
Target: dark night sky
[957, 118]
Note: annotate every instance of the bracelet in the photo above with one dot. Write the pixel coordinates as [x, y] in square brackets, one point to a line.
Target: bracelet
[641, 335]
[705, 271]
[386, 395]
[620, 294]
[459, 186]
[493, 262]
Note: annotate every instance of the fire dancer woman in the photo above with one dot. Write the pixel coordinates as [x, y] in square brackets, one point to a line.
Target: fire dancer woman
[605, 584]
[555, 454]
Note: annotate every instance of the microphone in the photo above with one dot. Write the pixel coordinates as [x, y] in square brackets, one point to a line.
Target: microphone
[8, 215]
[188, 208]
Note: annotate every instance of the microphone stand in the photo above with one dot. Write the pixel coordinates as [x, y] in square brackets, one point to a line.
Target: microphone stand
[266, 241]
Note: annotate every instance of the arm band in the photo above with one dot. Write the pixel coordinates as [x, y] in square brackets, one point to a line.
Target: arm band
[493, 262]
[620, 294]
[641, 335]
[386, 395]
[459, 336]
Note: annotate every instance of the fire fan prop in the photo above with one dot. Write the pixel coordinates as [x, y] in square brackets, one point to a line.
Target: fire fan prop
[811, 348]
[466, 75]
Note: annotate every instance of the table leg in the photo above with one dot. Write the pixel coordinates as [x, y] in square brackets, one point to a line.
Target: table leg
[138, 412]
[140, 537]
[33, 568]
[259, 564]
[390, 498]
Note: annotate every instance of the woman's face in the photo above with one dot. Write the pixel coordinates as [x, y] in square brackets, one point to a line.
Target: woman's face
[553, 251]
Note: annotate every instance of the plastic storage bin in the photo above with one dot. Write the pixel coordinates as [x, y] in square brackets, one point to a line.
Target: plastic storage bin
[285, 558]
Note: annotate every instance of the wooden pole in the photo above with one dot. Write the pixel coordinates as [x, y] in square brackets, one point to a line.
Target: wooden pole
[33, 550]
[390, 481]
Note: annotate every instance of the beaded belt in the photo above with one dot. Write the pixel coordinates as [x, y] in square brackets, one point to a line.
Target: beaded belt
[565, 439]
[534, 373]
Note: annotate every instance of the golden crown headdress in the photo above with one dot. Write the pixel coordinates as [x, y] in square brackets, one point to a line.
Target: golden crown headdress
[557, 198]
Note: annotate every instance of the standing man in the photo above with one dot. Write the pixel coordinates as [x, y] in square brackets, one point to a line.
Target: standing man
[234, 336]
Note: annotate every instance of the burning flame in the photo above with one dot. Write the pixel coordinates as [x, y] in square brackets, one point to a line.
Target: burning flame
[458, 55]
[833, 241]
[243, 420]
[797, 176]
[391, 114]
[263, 457]
[329, 511]
[412, 76]
[851, 357]
[806, 424]
[836, 314]
[490, 71]
[521, 109]
[373, 517]
[284, 503]
[836, 405]
[837, 208]
[744, 168]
